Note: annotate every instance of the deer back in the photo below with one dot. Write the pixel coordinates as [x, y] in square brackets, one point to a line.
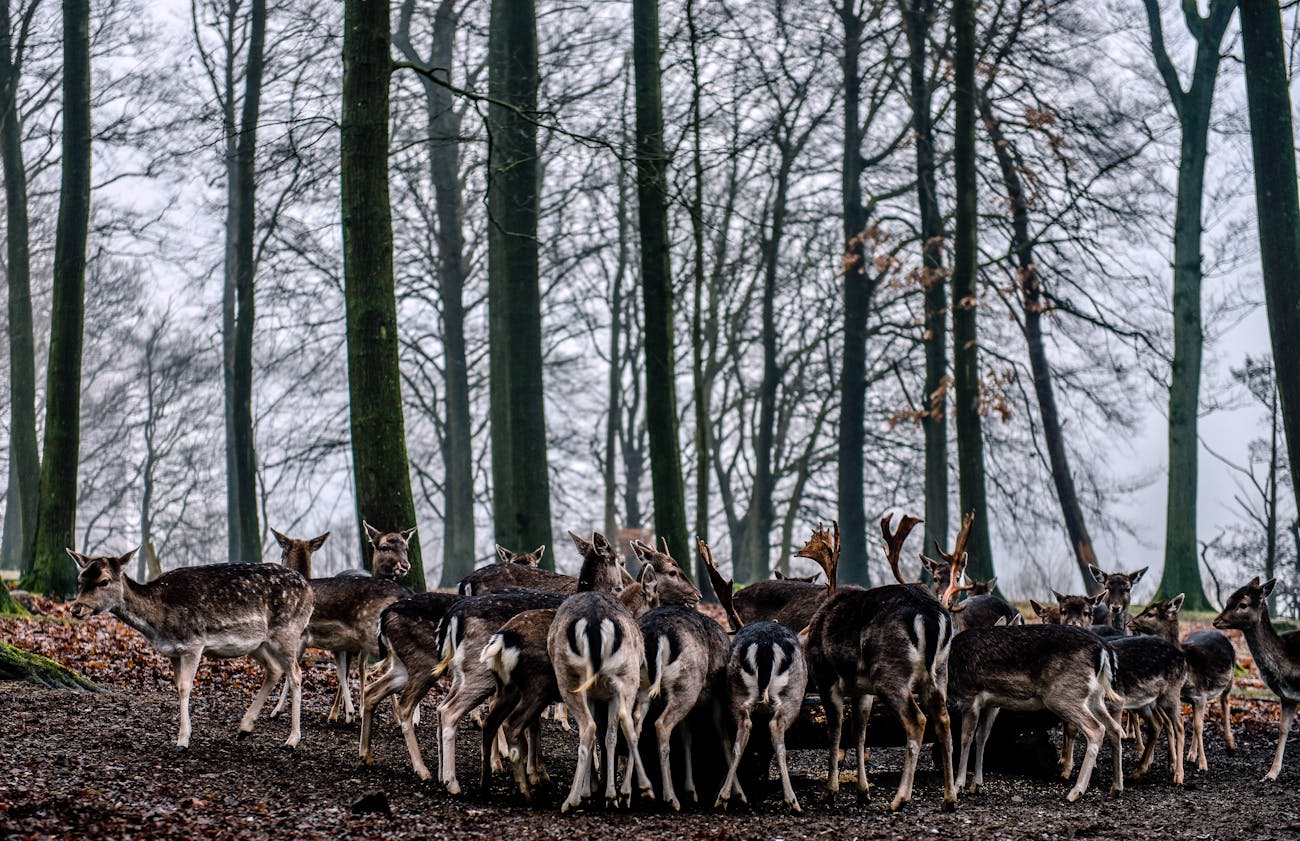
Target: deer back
[500, 577]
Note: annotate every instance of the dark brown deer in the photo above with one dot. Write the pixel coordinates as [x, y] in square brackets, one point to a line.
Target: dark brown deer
[514, 570]
[1080, 611]
[296, 554]
[1210, 664]
[221, 610]
[1117, 588]
[807, 579]
[891, 643]
[1276, 655]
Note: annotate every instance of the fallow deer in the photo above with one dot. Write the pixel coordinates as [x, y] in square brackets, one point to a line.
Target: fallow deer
[767, 672]
[516, 570]
[221, 610]
[1080, 611]
[1210, 664]
[1276, 655]
[296, 554]
[777, 575]
[1117, 588]
[985, 611]
[892, 643]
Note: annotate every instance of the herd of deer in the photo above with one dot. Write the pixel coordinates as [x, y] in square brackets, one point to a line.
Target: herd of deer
[611, 648]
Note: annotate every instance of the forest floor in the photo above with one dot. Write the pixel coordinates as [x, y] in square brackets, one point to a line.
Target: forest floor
[83, 765]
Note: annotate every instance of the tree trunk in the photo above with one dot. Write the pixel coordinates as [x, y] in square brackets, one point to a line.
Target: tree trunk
[381, 471]
[521, 496]
[1276, 201]
[18, 664]
[965, 297]
[614, 416]
[857, 300]
[1181, 571]
[24, 458]
[1022, 246]
[52, 570]
[243, 197]
[918, 15]
[657, 282]
[444, 171]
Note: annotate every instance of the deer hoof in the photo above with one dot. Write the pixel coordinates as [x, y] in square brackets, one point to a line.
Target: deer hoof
[242, 734]
[453, 786]
[1073, 796]
[721, 803]
[677, 806]
[181, 748]
[793, 803]
[896, 804]
[949, 805]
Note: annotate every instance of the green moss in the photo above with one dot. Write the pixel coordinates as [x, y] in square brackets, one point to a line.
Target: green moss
[17, 664]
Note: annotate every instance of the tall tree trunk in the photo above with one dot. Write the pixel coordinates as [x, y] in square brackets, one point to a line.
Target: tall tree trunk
[657, 282]
[229, 288]
[857, 301]
[1181, 572]
[381, 471]
[52, 570]
[1277, 203]
[614, 416]
[150, 456]
[918, 16]
[965, 298]
[449, 205]
[521, 495]
[1022, 246]
[24, 458]
[243, 196]
[699, 380]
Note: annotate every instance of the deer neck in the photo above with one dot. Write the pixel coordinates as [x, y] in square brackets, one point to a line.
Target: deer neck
[1265, 645]
[137, 609]
[1172, 632]
[633, 598]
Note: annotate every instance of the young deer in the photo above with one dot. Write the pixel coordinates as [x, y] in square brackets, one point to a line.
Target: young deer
[1060, 668]
[408, 634]
[1276, 655]
[766, 670]
[1080, 611]
[221, 610]
[1210, 664]
[891, 643]
[1118, 591]
[296, 554]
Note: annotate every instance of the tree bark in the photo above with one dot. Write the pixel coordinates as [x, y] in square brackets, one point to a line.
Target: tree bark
[657, 282]
[449, 206]
[615, 383]
[521, 497]
[52, 570]
[1193, 106]
[243, 199]
[381, 471]
[857, 301]
[18, 664]
[1027, 278]
[918, 16]
[965, 299]
[24, 458]
[1277, 203]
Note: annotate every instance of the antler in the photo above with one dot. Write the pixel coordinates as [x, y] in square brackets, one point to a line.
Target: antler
[824, 548]
[956, 561]
[721, 586]
[894, 542]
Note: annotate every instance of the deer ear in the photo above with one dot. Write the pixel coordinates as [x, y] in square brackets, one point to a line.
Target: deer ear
[1176, 603]
[1097, 575]
[1134, 577]
[600, 541]
[1267, 587]
[79, 559]
[317, 542]
[372, 533]
[1001, 623]
[1058, 596]
[1254, 582]
[647, 576]
[504, 554]
[537, 554]
[991, 584]
[1019, 620]
[409, 533]
[814, 578]
[1039, 610]
[280, 539]
[583, 545]
[778, 575]
[125, 559]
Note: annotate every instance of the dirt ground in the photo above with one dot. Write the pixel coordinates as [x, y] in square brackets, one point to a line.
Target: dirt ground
[80, 765]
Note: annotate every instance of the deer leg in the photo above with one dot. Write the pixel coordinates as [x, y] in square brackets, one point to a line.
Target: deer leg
[1068, 733]
[586, 724]
[472, 693]
[1283, 728]
[689, 780]
[863, 713]
[341, 674]
[981, 739]
[730, 784]
[943, 741]
[1148, 753]
[1097, 706]
[183, 667]
[624, 702]
[503, 704]
[1226, 710]
[1092, 730]
[1173, 709]
[834, 702]
[406, 703]
[970, 719]
[295, 701]
[284, 691]
[1198, 728]
[389, 683]
[271, 674]
[777, 727]
[664, 726]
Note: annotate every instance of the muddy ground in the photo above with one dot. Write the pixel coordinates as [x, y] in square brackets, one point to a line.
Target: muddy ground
[79, 765]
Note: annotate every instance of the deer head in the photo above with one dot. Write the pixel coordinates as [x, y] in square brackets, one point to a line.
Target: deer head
[602, 565]
[807, 579]
[99, 584]
[1077, 610]
[824, 548]
[722, 587]
[296, 554]
[1159, 618]
[1247, 607]
[673, 585]
[390, 559]
[954, 564]
[528, 559]
[1117, 587]
[1048, 614]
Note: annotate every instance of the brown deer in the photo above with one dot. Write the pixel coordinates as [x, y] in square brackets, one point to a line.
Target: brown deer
[514, 570]
[296, 554]
[1117, 588]
[891, 643]
[1210, 664]
[221, 610]
[1276, 655]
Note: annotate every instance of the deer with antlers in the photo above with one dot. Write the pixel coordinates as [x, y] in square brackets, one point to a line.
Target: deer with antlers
[889, 642]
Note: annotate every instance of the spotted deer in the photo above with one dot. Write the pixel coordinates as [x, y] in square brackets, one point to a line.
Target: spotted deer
[766, 672]
[891, 643]
[1210, 664]
[1276, 655]
[221, 610]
